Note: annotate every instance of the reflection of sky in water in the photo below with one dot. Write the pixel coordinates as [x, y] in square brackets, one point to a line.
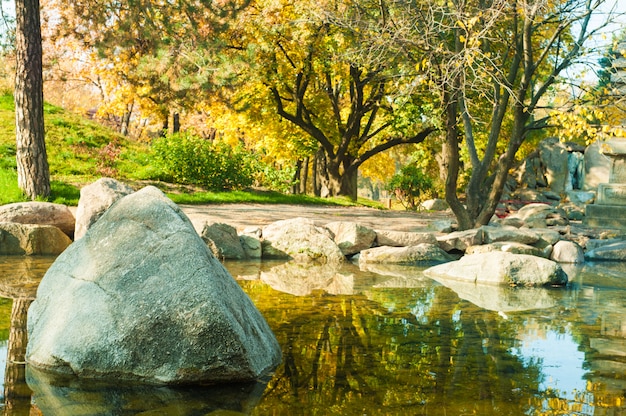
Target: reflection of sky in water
[560, 361]
[3, 364]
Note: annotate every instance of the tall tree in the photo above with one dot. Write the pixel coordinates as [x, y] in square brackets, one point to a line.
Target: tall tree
[33, 173]
[352, 107]
[503, 56]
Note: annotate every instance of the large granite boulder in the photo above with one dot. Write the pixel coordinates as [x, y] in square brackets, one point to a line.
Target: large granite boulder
[42, 213]
[351, 237]
[32, 239]
[223, 241]
[141, 298]
[95, 199]
[300, 239]
[502, 268]
[419, 254]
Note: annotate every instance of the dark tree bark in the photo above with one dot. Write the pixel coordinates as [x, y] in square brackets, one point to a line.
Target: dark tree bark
[33, 173]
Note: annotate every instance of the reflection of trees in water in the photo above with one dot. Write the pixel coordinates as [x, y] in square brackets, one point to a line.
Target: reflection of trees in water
[354, 355]
[17, 394]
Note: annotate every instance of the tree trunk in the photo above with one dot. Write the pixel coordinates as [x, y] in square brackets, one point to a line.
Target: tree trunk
[176, 123]
[321, 177]
[305, 176]
[33, 172]
[349, 184]
[295, 188]
[125, 127]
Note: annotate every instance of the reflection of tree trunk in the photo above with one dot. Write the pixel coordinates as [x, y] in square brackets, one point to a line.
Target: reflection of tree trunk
[16, 392]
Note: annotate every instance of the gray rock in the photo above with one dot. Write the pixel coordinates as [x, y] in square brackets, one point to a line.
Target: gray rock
[506, 233]
[441, 226]
[597, 165]
[251, 245]
[581, 197]
[614, 252]
[32, 239]
[435, 205]
[403, 238]
[540, 215]
[460, 240]
[95, 199]
[567, 252]
[300, 239]
[223, 241]
[547, 235]
[594, 243]
[351, 237]
[141, 298]
[502, 268]
[554, 159]
[506, 246]
[419, 254]
[42, 213]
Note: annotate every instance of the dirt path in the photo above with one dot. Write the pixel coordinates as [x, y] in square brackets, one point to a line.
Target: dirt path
[242, 216]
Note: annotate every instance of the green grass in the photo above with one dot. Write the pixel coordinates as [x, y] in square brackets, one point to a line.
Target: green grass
[76, 150]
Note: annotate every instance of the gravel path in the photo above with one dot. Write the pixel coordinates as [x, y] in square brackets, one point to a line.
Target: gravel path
[242, 216]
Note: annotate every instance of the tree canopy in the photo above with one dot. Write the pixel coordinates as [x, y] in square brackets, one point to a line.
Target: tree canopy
[339, 84]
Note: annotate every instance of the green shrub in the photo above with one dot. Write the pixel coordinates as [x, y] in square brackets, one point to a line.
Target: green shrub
[411, 186]
[276, 179]
[188, 159]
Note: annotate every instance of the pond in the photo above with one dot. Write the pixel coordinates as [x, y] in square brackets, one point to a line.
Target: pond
[383, 341]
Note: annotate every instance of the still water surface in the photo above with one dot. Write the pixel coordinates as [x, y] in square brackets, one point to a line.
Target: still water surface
[383, 341]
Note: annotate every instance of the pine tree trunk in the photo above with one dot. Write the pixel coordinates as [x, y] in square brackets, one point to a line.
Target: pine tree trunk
[33, 173]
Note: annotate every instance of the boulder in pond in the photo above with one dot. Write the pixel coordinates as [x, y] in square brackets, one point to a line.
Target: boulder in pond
[223, 241]
[42, 213]
[32, 239]
[403, 238]
[502, 268]
[351, 237]
[141, 298]
[567, 252]
[413, 255]
[95, 199]
[301, 240]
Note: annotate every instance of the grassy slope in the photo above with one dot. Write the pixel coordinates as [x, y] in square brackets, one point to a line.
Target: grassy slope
[76, 154]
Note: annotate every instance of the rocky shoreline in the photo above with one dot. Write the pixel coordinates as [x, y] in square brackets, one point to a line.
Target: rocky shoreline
[536, 232]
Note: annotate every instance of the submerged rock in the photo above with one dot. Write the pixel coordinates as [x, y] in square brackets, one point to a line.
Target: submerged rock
[502, 268]
[140, 297]
[351, 237]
